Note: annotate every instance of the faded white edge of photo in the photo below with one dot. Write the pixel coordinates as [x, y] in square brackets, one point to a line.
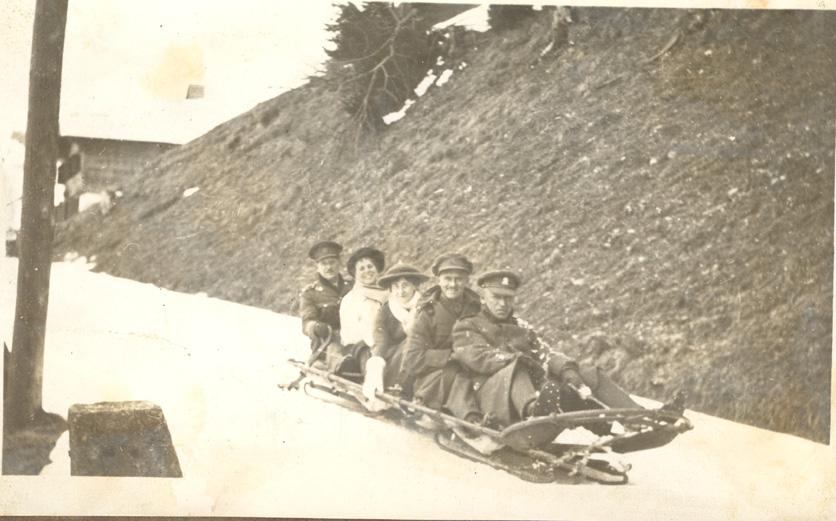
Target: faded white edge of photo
[124, 490]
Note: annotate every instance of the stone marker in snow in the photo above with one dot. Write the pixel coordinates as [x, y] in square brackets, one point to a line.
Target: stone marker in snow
[121, 439]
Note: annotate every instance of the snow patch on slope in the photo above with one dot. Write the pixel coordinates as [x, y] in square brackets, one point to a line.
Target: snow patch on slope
[475, 19]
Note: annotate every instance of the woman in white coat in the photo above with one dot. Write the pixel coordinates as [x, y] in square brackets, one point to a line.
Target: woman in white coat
[359, 306]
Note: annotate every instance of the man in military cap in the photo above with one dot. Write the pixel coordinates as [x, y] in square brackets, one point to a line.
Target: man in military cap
[427, 366]
[514, 374]
[319, 302]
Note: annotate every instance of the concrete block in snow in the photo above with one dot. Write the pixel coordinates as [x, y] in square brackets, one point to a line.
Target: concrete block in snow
[121, 439]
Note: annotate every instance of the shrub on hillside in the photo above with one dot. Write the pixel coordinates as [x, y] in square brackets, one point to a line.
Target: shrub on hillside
[381, 53]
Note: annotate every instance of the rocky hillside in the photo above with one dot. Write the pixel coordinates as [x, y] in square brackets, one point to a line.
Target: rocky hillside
[671, 212]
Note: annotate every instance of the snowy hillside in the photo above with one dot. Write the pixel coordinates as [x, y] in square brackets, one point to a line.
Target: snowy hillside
[247, 448]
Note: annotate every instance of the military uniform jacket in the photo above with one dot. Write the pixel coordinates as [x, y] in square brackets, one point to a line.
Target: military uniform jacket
[485, 344]
[320, 302]
[430, 344]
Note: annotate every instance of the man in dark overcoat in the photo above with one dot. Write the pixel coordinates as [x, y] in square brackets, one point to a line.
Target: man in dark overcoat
[319, 302]
[514, 374]
[436, 379]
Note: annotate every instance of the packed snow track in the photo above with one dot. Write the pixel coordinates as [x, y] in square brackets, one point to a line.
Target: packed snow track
[248, 448]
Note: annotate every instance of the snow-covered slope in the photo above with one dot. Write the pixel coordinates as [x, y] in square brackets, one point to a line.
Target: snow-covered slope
[247, 448]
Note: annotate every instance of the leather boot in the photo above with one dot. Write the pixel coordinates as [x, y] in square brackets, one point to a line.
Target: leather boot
[547, 401]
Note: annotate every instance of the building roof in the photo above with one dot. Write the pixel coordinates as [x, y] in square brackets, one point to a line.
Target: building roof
[174, 122]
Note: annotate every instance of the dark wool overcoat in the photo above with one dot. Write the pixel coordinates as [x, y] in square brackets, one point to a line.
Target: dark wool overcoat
[389, 337]
[438, 380]
[484, 344]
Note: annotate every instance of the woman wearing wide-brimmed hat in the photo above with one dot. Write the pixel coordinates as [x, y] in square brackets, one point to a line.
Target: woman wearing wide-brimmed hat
[359, 307]
[393, 321]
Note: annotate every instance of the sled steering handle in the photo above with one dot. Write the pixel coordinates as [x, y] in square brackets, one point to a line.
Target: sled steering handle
[591, 397]
[323, 344]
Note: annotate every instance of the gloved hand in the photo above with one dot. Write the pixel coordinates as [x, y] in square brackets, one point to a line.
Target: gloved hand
[573, 379]
[529, 361]
[373, 383]
[321, 330]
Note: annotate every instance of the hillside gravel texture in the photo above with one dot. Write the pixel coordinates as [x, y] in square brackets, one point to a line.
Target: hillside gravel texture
[671, 214]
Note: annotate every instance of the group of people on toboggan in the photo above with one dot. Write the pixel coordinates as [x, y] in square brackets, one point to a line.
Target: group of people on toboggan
[446, 347]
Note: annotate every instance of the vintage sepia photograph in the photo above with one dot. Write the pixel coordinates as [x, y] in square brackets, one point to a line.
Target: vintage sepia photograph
[417, 260]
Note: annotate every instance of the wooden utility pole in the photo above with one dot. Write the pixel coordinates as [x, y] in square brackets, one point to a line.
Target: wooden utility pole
[23, 405]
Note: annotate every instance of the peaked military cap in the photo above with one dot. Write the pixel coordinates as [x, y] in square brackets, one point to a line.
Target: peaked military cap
[452, 261]
[367, 252]
[401, 271]
[501, 282]
[324, 249]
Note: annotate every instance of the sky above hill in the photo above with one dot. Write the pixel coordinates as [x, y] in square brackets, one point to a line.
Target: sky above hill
[149, 52]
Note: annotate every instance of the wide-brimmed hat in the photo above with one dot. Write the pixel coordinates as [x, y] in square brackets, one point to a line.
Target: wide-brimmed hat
[402, 271]
[452, 262]
[500, 282]
[367, 252]
[324, 249]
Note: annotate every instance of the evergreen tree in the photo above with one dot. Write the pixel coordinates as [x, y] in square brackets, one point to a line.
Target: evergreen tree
[503, 17]
[381, 53]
